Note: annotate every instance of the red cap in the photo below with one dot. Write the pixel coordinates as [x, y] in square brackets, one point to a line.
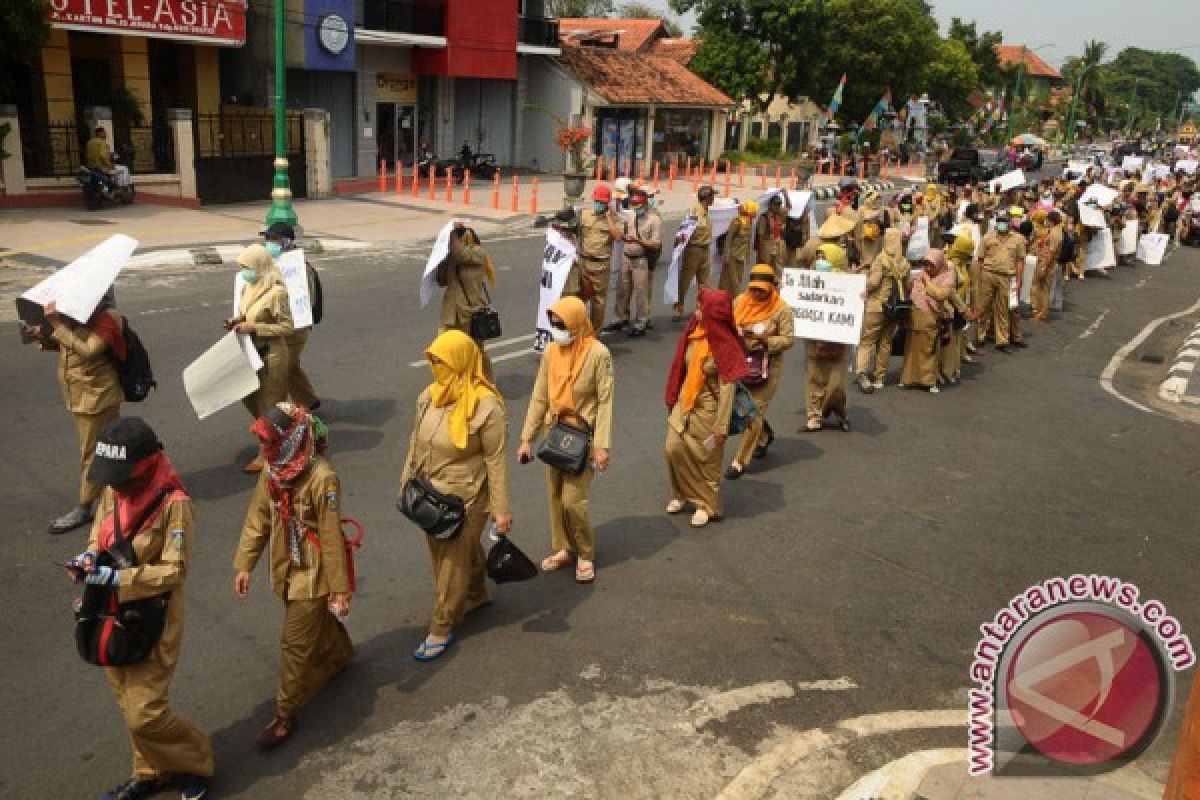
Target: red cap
[602, 194]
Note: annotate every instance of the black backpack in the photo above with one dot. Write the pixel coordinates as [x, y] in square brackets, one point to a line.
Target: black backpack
[318, 295]
[793, 232]
[1068, 249]
[134, 373]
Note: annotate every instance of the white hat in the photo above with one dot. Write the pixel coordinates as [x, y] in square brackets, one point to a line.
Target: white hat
[621, 185]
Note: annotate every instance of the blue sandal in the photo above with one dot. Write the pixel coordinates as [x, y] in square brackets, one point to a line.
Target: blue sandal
[430, 651]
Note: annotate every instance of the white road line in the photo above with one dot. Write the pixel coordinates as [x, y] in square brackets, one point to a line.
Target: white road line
[498, 344]
[719, 706]
[1119, 357]
[1092, 328]
[902, 777]
[1175, 387]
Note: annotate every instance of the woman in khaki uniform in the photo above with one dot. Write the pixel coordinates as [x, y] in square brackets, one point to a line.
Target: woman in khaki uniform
[263, 313]
[959, 256]
[932, 297]
[875, 220]
[295, 518]
[574, 382]
[888, 272]
[90, 387]
[457, 444]
[766, 326]
[466, 291]
[825, 362]
[737, 248]
[144, 487]
[709, 360]
[769, 242]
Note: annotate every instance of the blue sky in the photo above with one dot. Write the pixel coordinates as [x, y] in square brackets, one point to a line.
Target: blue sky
[1152, 24]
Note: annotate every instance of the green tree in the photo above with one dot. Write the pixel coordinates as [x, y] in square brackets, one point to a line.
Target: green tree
[643, 11]
[23, 31]
[949, 75]
[981, 47]
[579, 8]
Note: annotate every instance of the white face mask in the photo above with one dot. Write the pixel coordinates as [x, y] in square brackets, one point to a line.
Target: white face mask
[561, 337]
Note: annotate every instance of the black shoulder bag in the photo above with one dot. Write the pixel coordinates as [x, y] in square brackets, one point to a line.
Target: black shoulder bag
[897, 306]
[113, 634]
[567, 447]
[440, 515]
[485, 323]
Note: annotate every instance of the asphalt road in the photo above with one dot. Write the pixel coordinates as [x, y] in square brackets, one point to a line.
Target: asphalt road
[849, 577]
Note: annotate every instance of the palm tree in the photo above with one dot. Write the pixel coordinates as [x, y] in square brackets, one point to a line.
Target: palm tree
[1090, 93]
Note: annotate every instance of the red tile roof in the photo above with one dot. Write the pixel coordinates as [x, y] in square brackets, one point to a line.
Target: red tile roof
[633, 35]
[1010, 56]
[623, 78]
[681, 50]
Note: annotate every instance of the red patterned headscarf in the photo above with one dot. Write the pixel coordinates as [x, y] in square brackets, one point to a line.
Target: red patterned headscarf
[716, 307]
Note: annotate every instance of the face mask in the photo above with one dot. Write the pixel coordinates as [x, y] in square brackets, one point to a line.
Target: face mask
[442, 373]
[248, 275]
[560, 337]
[640, 209]
[823, 265]
[1001, 227]
[653, 204]
[274, 249]
[599, 208]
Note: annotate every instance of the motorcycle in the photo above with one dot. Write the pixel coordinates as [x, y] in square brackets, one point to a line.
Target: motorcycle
[99, 188]
[441, 167]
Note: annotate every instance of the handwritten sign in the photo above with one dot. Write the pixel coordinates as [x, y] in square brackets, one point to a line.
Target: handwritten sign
[557, 258]
[827, 306]
[295, 277]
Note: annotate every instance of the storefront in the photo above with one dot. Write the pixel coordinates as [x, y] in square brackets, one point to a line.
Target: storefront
[682, 133]
[620, 133]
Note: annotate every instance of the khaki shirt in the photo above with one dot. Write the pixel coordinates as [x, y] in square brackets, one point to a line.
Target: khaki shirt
[649, 227]
[465, 293]
[595, 235]
[1047, 248]
[316, 497]
[715, 400]
[98, 155]
[780, 332]
[737, 242]
[702, 236]
[270, 313]
[593, 393]
[88, 377]
[479, 472]
[1002, 254]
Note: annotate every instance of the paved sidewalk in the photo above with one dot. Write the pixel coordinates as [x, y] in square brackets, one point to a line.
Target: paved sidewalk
[951, 782]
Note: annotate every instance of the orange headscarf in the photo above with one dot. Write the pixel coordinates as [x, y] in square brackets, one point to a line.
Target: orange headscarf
[563, 364]
[693, 382]
[747, 310]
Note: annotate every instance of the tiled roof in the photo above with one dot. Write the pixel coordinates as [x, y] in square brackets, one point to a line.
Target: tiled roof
[681, 50]
[1010, 56]
[633, 35]
[632, 79]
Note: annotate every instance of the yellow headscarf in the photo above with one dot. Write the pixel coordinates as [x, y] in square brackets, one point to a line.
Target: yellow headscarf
[253, 295]
[836, 255]
[458, 380]
[563, 364]
[963, 248]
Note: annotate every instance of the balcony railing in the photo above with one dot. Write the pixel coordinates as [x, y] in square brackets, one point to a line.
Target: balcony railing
[537, 31]
[404, 16]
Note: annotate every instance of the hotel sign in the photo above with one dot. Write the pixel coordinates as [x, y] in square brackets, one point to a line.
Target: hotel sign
[221, 22]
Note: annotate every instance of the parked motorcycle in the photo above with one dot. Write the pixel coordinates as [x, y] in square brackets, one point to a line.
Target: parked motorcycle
[99, 188]
[441, 166]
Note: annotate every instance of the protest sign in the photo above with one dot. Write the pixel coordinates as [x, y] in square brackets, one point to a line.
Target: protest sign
[1027, 279]
[1187, 165]
[557, 258]
[1152, 247]
[1099, 194]
[1100, 252]
[682, 237]
[827, 306]
[720, 215]
[220, 377]
[295, 277]
[1092, 217]
[1009, 180]
[77, 288]
[441, 249]
[1132, 163]
[918, 242]
[1129, 238]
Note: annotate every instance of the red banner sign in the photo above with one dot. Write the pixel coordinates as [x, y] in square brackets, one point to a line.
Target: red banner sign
[208, 21]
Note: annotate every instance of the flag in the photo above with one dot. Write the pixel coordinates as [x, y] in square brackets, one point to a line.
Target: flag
[872, 120]
[836, 102]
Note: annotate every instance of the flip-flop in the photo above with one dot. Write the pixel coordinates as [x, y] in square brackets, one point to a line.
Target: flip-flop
[429, 651]
[585, 574]
[553, 563]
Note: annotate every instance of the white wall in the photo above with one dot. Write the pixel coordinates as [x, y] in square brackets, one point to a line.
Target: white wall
[548, 86]
[372, 60]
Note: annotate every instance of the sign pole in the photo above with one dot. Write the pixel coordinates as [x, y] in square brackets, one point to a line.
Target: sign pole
[281, 194]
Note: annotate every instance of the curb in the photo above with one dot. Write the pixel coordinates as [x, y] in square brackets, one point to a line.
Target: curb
[1174, 388]
[215, 255]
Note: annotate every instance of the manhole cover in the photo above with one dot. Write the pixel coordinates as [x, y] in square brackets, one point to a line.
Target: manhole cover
[1152, 358]
[93, 222]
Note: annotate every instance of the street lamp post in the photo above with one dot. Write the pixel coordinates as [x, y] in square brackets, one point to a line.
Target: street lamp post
[281, 193]
[1132, 102]
[1074, 100]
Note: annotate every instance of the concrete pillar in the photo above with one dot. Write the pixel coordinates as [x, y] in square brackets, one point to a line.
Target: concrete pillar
[12, 168]
[783, 133]
[651, 115]
[180, 122]
[131, 71]
[100, 117]
[316, 153]
[445, 147]
[208, 80]
[56, 77]
[520, 100]
[716, 138]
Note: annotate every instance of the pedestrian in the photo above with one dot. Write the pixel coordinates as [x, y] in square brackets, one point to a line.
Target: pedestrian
[701, 388]
[932, 298]
[295, 518]
[825, 362]
[91, 390]
[887, 277]
[281, 238]
[736, 247]
[769, 234]
[766, 327]
[575, 385]
[959, 255]
[641, 241]
[145, 512]
[1001, 257]
[876, 220]
[457, 446]
[263, 313]
[470, 271]
[696, 254]
[1045, 248]
[599, 227]
[846, 207]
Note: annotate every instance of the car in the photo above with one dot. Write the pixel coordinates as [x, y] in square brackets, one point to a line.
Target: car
[967, 165]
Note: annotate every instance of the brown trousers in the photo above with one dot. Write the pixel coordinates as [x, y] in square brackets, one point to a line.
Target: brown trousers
[89, 427]
[756, 434]
[599, 274]
[570, 527]
[695, 265]
[876, 341]
[993, 305]
[300, 388]
[1039, 294]
[314, 647]
[825, 386]
[272, 380]
[459, 574]
[633, 298]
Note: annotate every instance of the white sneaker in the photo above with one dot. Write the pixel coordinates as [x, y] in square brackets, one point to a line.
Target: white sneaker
[934, 390]
[675, 506]
[878, 384]
[700, 518]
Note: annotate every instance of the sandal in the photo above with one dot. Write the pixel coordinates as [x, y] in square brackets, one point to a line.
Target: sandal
[431, 651]
[554, 562]
[585, 572]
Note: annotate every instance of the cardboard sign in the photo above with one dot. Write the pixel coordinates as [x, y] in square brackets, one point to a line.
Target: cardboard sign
[1152, 247]
[1100, 252]
[557, 258]
[78, 287]
[1092, 217]
[1132, 163]
[295, 277]
[1129, 238]
[441, 249]
[682, 237]
[1009, 180]
[918, 243]
[220, 377]
[1187, 165]
[1100, 194]
[827, 306]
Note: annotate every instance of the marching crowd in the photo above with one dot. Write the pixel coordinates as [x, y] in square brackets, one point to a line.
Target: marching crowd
[940, 269]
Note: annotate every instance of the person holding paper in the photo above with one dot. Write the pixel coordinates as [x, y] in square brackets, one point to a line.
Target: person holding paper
[470, 272]
[574, 383]
[1001, 260]
[281, 238]
[737, 248]
[933, 299]
[825, 362]
[701, 387]
[641, 236]
[599, 227]
[960, 254]
[888, 275]
[90, 387]
[1045, 248]
[696, 254]
[769, 236]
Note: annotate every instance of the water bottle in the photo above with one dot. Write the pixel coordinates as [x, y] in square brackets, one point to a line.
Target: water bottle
[490, 534]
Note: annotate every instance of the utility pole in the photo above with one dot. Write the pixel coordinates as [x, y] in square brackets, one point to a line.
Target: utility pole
[1012, 107]
[1132, 101]
[281, 194]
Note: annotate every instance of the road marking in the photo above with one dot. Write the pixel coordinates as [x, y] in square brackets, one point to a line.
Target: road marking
[1119, 357]
[719, 706]
[902, 777]
[498, 344]
[1175, 386]
[1092, 328]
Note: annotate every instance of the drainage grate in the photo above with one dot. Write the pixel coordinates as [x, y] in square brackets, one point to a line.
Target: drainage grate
[93, 222]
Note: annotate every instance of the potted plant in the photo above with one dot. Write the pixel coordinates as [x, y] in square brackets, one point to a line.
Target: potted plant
[572, 139]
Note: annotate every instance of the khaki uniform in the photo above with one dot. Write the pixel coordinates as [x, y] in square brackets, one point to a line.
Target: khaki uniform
[873, 247]
[98, 155]
[595, 261]
[772, 249]
[91, 391]
[1046, 250]
[695, 256]
[570, 527]
[878, 330]
[855, 237]
[163, 743]
[695, 471]
[733, 257]
[825, 385]
[478, 474]
[300, 388]
[465, 293]
[999, 257]
[272, 318]
[633, 299]
[314, 645]
[922, 348]
[780, 329]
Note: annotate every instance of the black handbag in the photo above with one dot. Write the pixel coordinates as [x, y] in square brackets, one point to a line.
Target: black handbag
[897, 306]
[109, 633]
[567, 447]
[506, 563]
[485, 323]
[440, 515]
[758, 362]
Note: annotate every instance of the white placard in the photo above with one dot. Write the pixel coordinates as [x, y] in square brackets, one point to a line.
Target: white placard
[682, 237]
[720, 217]
[918, 243]
[1009, 180]
[1187, 165]
[799, 199]
[1014, 301]
[827, 306]
[1092, 217]
[1027, 279]
[1155, 172]
[1129, 238]
[1152, 247]
[220, 377]
[441, 249]
[1100, 252]
[1101, 194]
[1132, 163]
[557, 258]
[77, 288]
[295, 277]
